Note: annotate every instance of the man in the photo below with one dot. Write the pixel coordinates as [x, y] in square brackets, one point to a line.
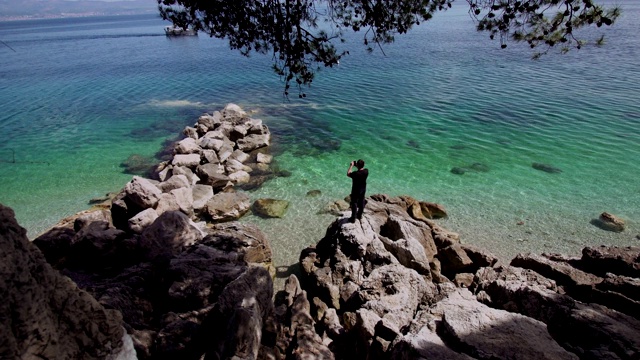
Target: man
[358, 188]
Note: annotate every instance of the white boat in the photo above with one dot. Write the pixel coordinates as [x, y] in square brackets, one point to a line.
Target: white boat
[178, 31]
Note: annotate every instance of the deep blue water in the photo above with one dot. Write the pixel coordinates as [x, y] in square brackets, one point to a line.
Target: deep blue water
[80, 96]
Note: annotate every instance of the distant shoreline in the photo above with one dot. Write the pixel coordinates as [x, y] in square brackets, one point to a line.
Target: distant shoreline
[70, 15]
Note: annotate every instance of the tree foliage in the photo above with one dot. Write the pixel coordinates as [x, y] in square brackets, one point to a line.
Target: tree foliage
[301, 35]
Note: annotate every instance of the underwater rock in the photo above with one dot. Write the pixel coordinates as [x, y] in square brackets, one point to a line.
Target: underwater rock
[458, 170]
[609, 222]
[546, 168]
[479, 167]
[137, 164]
[313, 193]
[271, 208]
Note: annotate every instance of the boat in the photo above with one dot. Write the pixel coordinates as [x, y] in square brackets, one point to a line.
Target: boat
[179, 31]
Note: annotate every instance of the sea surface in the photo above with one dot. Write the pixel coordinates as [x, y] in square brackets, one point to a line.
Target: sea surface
[78, 97]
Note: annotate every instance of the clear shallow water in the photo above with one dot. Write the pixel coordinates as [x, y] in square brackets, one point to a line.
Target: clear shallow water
[79, 96]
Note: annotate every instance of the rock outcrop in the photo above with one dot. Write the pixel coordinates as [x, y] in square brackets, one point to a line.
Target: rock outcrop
[43, 314]
[395, 285]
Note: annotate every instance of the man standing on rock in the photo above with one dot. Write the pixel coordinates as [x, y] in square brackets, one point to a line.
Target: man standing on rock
[358, 188]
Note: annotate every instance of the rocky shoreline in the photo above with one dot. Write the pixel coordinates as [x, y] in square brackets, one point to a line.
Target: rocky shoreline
[164, 268]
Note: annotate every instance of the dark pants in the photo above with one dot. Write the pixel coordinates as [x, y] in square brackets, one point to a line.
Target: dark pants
[357, 205]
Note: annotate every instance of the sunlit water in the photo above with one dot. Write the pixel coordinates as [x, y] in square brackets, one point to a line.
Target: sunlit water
[79, 96]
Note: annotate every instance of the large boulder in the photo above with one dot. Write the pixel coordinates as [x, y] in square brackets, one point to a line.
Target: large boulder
[44, 314]
[228, 206]
[168, 235]
[142, 192]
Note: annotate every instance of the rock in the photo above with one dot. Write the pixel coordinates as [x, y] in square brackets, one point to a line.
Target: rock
[233, 111]
[336, 207]
[181, 170]
[210, 121]
[187, 146]
[174, 182]
[234, 165]
[201, 194]
[546, 168]
[142, 192]
[180, 199]
[210, 156]
[458, 170]
[190, 160]
[433, 210]
[488, 333]
[235, 324]
[44, 314]
[143, 219]
[314, 193]
[591, 330]
[425, 344]
[617, 260]
[409, 253]
[210, 143]
[228, 206]
[190, 132]
[270, 208]
[264, 158]
[138, 165]
[454, 259]
[239, 155]
[479, 167]
[240, 177]
[463, 280]
[168, 235]
[563, 274]
[609, 222]
[245, 239]
[225, 152]
[253, 142]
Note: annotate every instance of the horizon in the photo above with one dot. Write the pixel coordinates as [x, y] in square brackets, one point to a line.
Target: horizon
[35, 9]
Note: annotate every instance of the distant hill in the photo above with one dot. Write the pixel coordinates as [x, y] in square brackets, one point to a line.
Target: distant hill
[35, 9]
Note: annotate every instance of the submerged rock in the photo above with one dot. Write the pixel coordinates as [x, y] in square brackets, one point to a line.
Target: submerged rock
[609, 222]
[546, 168]
[272, 208]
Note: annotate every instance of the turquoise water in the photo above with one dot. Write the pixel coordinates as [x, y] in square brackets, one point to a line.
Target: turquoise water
[79, 96]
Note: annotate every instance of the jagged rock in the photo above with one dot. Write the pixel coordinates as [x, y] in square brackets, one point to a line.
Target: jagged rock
[245, 239]
[487, 333]
[225, 152]
[211, 143]
[271, 208]
[433, 210]
[617, 260]
[233, 111]
[180, 199]
[174, 182]
[182, 170]
[187, 160]
[168, 234]
[142, 192]
[454, 259]
[187, 146]
[228, 206]
[210, 156]
[240, 177]
[142, 219]
[253, 142]
[425, 344]
[210, 121]
[234, 165]
[562, 273]
[591, 330]
[201, 194]
[264, 158]
[44, 314]
[236, 322]
[190, 132]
